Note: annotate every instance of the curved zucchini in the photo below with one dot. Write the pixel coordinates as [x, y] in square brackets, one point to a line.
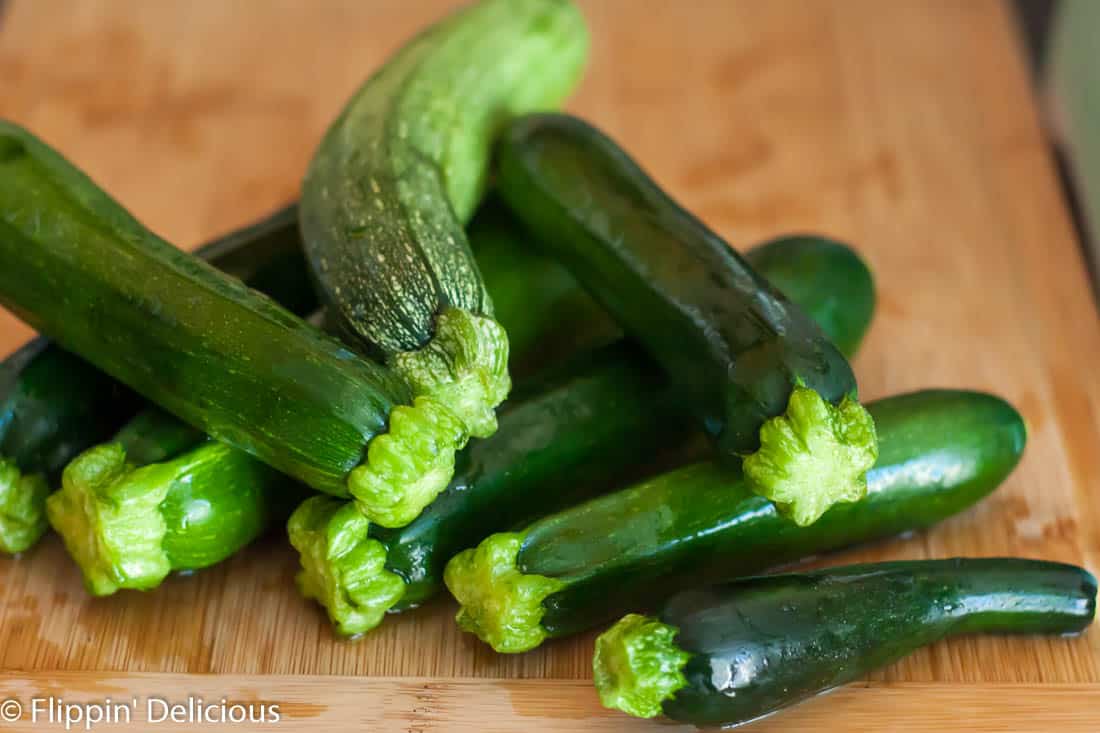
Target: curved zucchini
[727, 655]
[564, 436]
[115, 508]
[221, 357]
[758, 372]
[54, 405]
[393, 182]
[941, 451]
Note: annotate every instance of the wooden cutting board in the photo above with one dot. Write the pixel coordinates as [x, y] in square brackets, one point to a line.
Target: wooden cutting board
[907, 128]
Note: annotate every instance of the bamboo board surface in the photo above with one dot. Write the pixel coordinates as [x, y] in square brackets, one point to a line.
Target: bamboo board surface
[908, 128]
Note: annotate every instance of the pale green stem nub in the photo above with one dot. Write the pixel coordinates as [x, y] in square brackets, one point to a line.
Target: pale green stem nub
[458, 378]
[637, 666]
[409, 465]
[813, 456]
[342, 568]
[464, 368]
[22, 508]
[499, 603]
[108, 514]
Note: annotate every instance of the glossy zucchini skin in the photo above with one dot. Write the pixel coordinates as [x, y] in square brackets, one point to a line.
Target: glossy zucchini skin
[154, 435]
[221, 357]
[826, 279]
[400, 172]
[547, 315]
[941, 451]
[54, 405]
[565, 436]
[761, 644]
[128, 525]
[596, 416]
[221, 500]
[736, 348]
[674, 285]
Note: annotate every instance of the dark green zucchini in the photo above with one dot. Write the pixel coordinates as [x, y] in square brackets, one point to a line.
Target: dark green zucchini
[824, 278]
[397, 176]
[940, 452]
[727, 655]
[161, 498]
[585, 427]
[53, 404]
[757, 371]
[199, 343]
[115, 509]
[547, 316]
[562, 436]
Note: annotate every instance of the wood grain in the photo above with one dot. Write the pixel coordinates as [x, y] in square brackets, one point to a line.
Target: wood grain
[419, 705]
[908, 128]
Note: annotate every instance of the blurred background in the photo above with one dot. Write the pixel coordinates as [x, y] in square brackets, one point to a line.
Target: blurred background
[1061, 36]
[1061, 39]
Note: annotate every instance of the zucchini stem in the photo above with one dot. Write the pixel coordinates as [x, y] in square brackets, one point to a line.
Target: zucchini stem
[498, 602]
[464, 367]
[343, 568]
[129, 527]
[637, 666]
[107, 513]
[22, 508]
[409, 465]
[813, 456]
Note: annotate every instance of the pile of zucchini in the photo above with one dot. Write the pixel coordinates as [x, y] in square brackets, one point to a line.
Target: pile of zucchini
[683, 417]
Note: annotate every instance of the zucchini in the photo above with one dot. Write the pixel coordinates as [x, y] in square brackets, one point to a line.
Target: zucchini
[776, 395]
[54, 405]
[564, 436]
[391, 186]
[221, 357]
[162, 498]
[547, 316]
[591, 423]
[941, 451]
[727, 655]
[115, 511]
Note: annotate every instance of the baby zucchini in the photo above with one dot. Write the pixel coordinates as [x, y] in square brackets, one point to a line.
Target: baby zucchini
[53, 404]
[199, 343]
[548, 317]
[941, 451]
[161, 498]
[149, 502]
[727, 655]
[564, 436]
[590, 423]
[391, 187]
[759, 374]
